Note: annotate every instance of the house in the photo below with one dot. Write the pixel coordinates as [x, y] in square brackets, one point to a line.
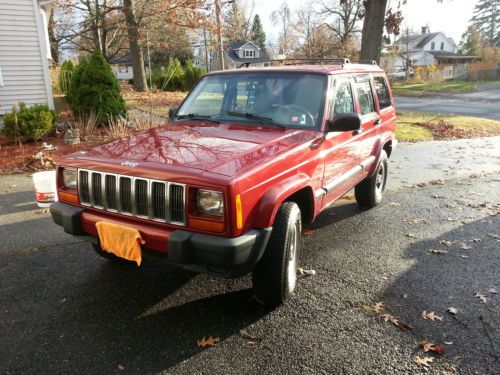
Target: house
[122, 67]
[427, 48]
[242, 54]
[24, 53]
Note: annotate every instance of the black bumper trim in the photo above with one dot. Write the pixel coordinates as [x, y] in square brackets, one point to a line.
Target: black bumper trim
[230, 257]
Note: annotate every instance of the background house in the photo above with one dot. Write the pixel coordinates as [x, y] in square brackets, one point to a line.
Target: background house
[24, 53]
[242, 54]
[425, 49]
[122, 67]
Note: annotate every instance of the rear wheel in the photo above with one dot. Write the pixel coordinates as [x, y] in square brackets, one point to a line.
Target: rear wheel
[370, 191]
[275, 276]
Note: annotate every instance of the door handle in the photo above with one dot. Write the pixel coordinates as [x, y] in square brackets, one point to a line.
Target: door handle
[377, 122]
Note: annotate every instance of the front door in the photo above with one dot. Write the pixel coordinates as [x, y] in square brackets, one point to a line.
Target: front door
[349, 154]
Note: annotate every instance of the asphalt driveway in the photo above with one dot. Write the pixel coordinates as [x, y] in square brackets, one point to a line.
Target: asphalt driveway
[483, 103]
[64, 310]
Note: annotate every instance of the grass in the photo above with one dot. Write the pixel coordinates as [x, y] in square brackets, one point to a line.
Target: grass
[433, 88]
[418, 126]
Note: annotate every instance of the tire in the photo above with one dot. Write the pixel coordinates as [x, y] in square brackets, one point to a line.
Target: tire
[370, 191]
[275, 276]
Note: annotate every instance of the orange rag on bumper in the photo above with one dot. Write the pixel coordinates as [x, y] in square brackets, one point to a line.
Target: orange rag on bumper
[120, 240]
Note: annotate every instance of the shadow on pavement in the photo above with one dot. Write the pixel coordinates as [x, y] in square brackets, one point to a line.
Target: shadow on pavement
[17, 202]
[437, 282]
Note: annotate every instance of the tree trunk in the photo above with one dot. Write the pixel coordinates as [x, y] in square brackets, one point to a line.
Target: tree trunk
[373, 29]
[140, 83]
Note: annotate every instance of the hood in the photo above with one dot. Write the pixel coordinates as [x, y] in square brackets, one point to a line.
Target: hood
[226, 149]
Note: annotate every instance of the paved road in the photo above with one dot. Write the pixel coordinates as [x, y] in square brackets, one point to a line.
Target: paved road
[64, 310]
[483, 103]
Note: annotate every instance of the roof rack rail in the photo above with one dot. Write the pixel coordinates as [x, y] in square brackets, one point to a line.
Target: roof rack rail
[312, 61]
[369, 62]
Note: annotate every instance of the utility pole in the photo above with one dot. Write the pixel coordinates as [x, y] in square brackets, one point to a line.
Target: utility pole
[206, 48]
[219, 33]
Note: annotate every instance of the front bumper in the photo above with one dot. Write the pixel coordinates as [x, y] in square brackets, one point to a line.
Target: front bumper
[230, 257]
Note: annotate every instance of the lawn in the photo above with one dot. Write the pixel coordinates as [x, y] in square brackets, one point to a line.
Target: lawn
[419, 126]
[433, 88]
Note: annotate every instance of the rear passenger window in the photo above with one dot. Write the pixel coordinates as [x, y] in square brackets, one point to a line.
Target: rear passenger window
[365, 97]
[384, 98]
[343, 99]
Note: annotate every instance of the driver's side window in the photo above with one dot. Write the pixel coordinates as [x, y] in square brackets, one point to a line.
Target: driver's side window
[344, 102]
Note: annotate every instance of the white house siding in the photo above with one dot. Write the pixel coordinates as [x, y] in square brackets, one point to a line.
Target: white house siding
[23, 55]
[448, 46]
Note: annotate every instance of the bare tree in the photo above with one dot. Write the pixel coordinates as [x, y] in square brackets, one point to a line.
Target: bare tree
[314, 37]
[345, 16]
[283, 16]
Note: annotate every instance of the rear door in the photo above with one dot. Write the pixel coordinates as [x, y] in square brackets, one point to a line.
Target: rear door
[386, 107]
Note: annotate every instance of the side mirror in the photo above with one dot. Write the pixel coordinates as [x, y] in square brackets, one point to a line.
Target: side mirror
[172, 112]
[343, 122]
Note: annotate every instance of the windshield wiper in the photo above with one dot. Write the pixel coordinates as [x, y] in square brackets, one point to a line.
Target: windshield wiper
[197, 117]
[261, 119]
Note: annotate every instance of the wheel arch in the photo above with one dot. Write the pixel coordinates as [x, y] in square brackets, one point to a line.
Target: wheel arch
[296, 189]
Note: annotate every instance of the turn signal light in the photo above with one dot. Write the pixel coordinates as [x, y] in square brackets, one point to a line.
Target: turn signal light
[239, 213]
[67, 197]
[211, 226]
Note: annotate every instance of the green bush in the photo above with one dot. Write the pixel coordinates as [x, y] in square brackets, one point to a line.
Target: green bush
[175, 77]
[65, 73]
[27, 124]
[95, 89]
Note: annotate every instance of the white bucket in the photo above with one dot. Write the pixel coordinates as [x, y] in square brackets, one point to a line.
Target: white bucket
[45, 188]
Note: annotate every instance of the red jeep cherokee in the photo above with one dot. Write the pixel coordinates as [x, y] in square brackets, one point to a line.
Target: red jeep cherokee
[248, 157]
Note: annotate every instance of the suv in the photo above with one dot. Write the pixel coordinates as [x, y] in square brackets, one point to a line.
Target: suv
[248, 158]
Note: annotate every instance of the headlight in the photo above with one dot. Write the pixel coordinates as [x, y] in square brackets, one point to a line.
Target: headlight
[69, 177]
[210, 202]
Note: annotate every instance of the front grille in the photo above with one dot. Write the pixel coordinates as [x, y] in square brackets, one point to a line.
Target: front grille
[145, 198]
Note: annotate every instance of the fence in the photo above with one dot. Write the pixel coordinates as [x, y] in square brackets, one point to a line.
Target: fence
[60, 80]
[459, 72]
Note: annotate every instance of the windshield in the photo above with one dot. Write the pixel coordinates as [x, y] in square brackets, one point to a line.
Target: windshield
[289, 99]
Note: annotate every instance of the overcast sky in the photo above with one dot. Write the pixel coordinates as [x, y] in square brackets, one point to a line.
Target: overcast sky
[451, 16]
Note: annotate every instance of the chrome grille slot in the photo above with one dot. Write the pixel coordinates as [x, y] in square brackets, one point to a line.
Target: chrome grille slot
[96, 189]
[141, 197]
[83, 188]
[156, 200]
[126, 195]
[176, 203]
[110, 192]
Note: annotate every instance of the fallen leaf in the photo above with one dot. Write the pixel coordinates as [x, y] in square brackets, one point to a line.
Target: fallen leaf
[440, 252]
[120, 367]
[492, 290]
[448, 342]
[438, 182]
[398, 323]
[211, 341]
[42, 211]
[452, 310]
[446, 242]
[494, 236]
[304, 272]
[378, 307]
[308, 231]
[464, 256]
[482, 297]
[395, 204]
[437, 196]
[464, 246]
[476, 240]
[368, 309]
[432, 347]
[411, 235]
[425, 361]
[414, 221]
[431, 316]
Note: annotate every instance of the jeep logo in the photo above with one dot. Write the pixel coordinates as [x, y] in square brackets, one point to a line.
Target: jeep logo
[129, 164]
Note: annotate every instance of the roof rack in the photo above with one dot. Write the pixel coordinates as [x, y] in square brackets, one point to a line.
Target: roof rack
[312, 61]
[369, 62]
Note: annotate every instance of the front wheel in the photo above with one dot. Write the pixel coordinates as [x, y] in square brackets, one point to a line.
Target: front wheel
[370, 191]
[275, 276]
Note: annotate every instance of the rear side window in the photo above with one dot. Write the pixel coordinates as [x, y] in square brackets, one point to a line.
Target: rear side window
[384, 98]
[365, 97]
[343, 99]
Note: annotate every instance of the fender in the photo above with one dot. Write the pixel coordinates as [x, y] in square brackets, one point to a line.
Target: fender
[377, 149]
[272, 199]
